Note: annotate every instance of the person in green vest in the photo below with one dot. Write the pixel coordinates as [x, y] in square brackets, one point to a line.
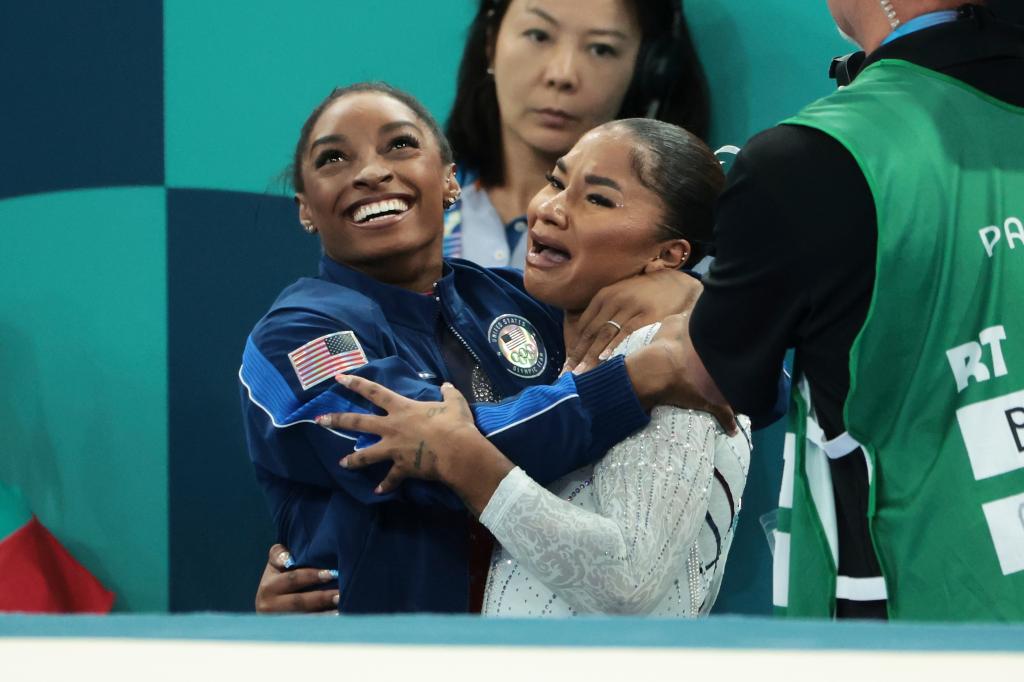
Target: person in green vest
[880, 234]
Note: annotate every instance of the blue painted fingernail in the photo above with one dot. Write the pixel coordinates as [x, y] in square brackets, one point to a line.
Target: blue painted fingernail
[334, 573]
[288, 561]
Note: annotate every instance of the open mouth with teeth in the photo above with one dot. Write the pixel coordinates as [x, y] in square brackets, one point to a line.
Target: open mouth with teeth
[547, 253]
[378, 211]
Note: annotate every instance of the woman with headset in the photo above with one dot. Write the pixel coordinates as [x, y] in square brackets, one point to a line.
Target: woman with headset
[535, 76]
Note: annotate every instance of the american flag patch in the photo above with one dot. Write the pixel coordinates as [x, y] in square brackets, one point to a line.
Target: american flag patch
[515, 338]
[322, 358]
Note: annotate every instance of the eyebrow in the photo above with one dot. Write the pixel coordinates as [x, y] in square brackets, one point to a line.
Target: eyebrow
[611, 32]
[590, 179]
[603, 181]
[327, 139]
[386, 128]
[543, 15]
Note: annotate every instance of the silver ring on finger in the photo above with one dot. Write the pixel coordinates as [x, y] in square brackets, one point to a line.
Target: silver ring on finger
[618, 327]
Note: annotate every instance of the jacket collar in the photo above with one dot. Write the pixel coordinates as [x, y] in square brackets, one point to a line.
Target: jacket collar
[407, 308]
[976, 36]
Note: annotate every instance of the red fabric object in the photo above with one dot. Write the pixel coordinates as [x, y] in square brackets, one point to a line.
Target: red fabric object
[37, 575]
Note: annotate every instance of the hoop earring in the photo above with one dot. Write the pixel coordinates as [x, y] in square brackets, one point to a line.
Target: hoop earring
[890, 14]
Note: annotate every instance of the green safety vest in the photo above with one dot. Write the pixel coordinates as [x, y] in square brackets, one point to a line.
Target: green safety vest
[936, 399]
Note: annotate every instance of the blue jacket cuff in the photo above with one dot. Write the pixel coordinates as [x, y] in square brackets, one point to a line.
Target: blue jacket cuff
[608, 397]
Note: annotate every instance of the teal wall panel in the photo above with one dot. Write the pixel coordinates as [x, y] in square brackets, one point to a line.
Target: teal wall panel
[764, 60]
[83, 400]
[241, 76]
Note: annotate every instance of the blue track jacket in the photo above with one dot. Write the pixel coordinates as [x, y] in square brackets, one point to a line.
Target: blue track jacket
[407, 550]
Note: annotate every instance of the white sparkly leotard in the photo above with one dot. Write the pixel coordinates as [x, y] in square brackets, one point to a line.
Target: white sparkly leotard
[646, 530]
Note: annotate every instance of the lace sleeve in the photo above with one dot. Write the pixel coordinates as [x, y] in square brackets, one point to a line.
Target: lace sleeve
[651, 493]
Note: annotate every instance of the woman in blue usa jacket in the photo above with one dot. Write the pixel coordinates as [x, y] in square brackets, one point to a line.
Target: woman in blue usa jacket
[372, 176]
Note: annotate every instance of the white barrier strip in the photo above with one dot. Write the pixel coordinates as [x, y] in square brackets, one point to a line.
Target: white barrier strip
[112, 660]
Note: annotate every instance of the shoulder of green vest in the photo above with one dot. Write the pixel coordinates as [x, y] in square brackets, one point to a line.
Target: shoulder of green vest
[885, 79]
[884, 91]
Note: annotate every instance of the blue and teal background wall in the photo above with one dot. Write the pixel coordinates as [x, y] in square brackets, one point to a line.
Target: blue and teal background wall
[144, 227]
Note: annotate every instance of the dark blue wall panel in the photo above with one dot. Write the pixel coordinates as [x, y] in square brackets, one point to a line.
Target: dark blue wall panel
[82, 86]
[228, 256]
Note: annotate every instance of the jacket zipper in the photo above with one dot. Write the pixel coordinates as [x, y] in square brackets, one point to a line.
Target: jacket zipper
[457, 335]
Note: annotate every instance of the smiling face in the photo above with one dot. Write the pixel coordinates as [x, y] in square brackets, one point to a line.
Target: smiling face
[374, 182]
[562, 67]
[595, 223]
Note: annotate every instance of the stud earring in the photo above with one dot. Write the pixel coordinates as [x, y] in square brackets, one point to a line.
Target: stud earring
[310, 228]
[490, 71]
[450, 200]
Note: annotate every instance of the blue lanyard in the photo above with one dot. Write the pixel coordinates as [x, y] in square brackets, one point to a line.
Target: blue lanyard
[924, 21]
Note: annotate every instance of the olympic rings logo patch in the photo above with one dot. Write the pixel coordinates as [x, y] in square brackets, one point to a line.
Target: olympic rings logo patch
[519, 346]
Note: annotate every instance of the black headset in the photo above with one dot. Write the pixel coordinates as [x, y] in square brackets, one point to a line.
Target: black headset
[659, 67]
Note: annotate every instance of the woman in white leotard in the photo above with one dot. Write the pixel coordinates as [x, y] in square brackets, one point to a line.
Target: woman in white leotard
[648, 528]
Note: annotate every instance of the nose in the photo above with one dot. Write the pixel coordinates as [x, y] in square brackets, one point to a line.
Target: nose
[552, 212]
[372, 175]
[562, 73]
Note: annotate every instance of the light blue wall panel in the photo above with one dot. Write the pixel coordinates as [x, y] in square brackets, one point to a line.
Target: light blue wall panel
[83, 378]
